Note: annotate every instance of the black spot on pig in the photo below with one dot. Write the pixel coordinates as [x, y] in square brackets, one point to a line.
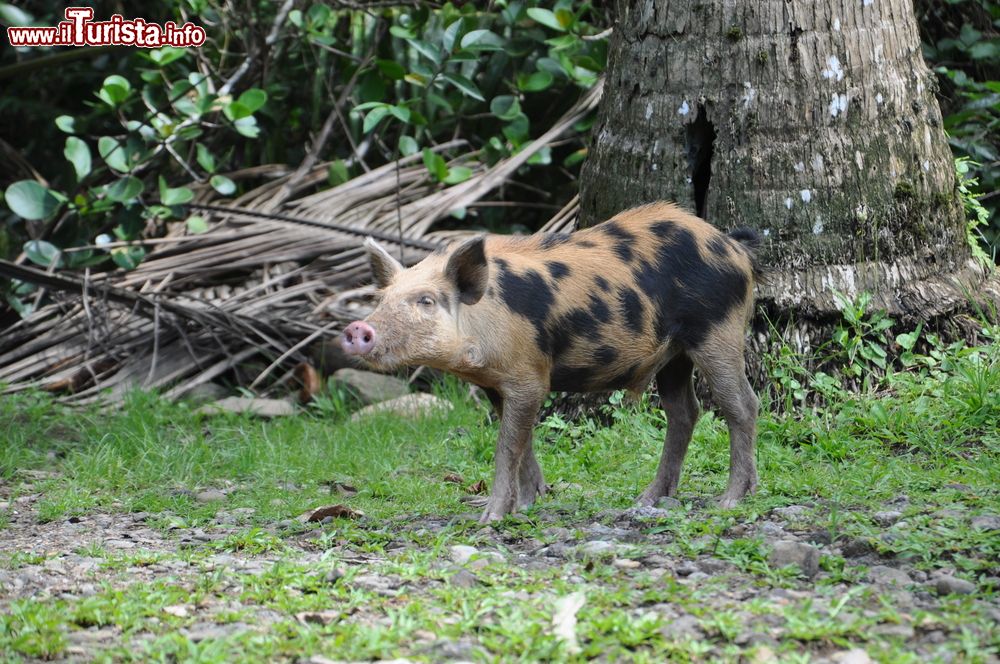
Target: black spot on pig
[569, 379]
[526, 294]
[551, 240]
[623, 251]
[632, 310]
[719, 246]
[599, 309]
[559, 334]
[615, 230]
[623, 379]
[586, 244]
[605, 355]
[689, 294]
[557, 269]
[602, 283]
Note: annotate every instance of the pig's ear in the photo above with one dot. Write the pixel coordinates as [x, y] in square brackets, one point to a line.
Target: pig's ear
[384, 266]
[468, 271]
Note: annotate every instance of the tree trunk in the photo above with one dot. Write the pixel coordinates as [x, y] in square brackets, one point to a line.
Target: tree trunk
[813, 122]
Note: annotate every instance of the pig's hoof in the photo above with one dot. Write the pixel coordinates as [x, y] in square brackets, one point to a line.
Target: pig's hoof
[728, 503]
[491, 517]
[651, 496]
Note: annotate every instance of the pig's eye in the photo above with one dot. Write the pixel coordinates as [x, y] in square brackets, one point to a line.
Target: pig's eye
[425, 301]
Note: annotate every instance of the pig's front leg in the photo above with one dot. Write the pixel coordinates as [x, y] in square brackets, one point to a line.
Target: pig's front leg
[517, 421]
[531, 482]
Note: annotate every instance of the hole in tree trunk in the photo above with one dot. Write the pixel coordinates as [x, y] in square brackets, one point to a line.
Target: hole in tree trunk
[700, 137]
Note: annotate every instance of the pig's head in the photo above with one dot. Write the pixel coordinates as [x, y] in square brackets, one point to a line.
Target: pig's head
[416, 320]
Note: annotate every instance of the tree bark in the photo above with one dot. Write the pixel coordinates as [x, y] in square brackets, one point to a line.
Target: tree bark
[813, 122]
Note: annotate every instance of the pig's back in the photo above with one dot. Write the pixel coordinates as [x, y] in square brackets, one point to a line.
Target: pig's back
[606, 306]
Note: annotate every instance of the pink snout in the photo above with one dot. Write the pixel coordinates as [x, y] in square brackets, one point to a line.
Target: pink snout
[358, 338]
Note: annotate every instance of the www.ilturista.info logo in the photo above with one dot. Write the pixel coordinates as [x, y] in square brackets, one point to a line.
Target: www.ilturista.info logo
[79, 30]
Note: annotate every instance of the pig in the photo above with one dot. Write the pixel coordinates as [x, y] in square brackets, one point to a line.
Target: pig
[652, 292]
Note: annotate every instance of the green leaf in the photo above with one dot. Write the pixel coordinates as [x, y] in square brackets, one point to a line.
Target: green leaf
[43, 253]
[407, 145]
[174, 196]
[196, 225]
[482, 40]
[435, 164]
[450, 35]
[115, 90]
[505, 107]
[128, 258]
[78, 154]
[540, 80]
[252, 99]
[205, 158]
[125, 189]
[66, 123]
[373, 117]
[565, 18]
[337, 173]
[429, 51]
[391, 69]
[546, 18]
[401, 113]
[164, 56]
[467, 87]
[247, 127]
[113, 153]
[234, 110]
[30, 200]
[458, 174]
[223, 185]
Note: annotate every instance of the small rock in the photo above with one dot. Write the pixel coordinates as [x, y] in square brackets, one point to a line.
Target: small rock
[668, 503]
[771, 530]
[887, 518]
[950, 585]
[795, 553]
[462, 578]
[656, 560]
[209, 496]
[697, 576]
[625, 563]
[485, 559]
[254, 406]
[371, 387]
[683, 627]
[821, 537]
[686, 568]
[714, 566]
[333, 576]
[409, 405]
[958, 486]
[986, 522]
[596, 548]
[901, 499]
[640, 513]
[855, 548]
[462, 553]
[762, 655]
[855, 656]
[896, 630]
[883, 575]
[791, 511]
[206, 393]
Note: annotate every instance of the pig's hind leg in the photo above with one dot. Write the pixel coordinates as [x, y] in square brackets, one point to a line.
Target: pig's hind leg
[677, 398]
[720, 360]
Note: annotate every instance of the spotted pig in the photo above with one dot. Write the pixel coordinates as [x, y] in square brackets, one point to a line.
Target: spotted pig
[652, 292]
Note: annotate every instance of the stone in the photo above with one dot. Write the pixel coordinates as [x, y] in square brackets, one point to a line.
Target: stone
[986, 522]
[409, 405]
[626, 563]
[895, 630]
[668, 503]
[791, 511]
[369, 386]
[950, 585]
[209, 496]
[771, 530]
[686, 568]
[855, 656]
[855, 548]
[252, 405]
[887, 518]
[787, 552]
[206, 393]
[883, 575]
[462, 578]
[596, 548]
[683, 627]
[462, 553]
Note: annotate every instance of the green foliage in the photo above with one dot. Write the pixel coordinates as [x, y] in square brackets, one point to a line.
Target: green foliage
[960, 43]
[977, 214]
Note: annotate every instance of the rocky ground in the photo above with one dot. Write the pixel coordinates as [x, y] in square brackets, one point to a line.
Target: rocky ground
[840, 601]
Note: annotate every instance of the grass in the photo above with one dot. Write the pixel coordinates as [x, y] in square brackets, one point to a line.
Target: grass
[924, 437]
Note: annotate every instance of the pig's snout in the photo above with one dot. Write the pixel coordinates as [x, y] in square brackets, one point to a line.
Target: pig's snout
[358, 338]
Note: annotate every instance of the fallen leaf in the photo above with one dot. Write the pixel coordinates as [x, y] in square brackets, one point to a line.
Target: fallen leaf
[477, 488]
[311, 381]
[564, 620]
[335, 511]
[178, 610]
[317, 617]
[454, 478]
[343, 488]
